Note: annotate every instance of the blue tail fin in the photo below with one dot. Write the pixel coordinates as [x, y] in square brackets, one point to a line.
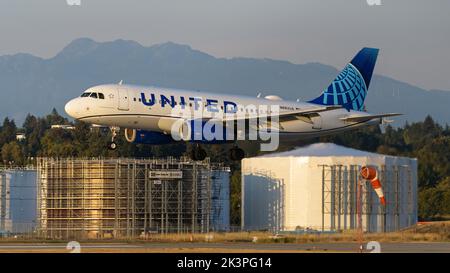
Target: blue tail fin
[349, 89]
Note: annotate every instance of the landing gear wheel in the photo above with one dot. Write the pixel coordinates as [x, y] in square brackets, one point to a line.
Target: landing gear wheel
[112, 145]
[198, 154]
[237, 154]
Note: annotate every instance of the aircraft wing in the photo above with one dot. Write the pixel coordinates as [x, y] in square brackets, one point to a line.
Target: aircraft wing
[287, 115]
[72, 127]
[99, 126]
[368, 117]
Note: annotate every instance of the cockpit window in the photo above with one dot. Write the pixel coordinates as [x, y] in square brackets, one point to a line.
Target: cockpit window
[93, 95]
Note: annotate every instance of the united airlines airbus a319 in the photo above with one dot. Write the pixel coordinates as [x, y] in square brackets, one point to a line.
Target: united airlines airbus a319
[155, 116]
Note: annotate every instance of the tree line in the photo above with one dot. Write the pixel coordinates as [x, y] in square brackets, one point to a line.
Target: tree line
[427, 141]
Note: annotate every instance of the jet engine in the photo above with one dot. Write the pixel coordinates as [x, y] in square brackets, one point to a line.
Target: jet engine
[147, 137]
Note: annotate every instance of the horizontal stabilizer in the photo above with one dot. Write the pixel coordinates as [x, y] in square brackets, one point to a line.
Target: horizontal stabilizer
[363, 118]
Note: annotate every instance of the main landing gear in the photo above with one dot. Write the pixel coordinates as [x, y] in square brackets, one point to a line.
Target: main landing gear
[112, 145]
[236, 154]
[199, 154]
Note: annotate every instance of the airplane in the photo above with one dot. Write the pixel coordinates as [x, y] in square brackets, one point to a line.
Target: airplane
[148, 116]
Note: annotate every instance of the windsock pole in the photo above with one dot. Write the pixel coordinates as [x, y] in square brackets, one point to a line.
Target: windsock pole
[359, 214]
[370, 174]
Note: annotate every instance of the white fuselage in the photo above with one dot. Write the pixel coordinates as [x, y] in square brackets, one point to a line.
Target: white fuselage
[152, 109]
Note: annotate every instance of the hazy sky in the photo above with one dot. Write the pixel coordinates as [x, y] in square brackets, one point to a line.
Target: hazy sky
[414, 35]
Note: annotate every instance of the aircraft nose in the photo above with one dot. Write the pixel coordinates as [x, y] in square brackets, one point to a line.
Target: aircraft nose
[71, 109]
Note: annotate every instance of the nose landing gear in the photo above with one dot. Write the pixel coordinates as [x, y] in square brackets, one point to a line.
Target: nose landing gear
[112, 145]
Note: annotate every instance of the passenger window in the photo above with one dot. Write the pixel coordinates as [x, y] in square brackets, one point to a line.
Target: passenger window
[101, 96]
[93, 95]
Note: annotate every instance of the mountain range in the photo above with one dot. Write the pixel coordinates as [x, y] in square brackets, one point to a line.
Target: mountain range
[29, 84]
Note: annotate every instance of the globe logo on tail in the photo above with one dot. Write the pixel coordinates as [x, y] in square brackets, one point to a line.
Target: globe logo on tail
[348, 90]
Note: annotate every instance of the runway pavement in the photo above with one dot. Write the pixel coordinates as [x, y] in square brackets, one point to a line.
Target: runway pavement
[226, 247]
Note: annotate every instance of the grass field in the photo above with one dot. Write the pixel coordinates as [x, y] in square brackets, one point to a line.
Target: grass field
[426, 232]
[431, 237]
[422, 232]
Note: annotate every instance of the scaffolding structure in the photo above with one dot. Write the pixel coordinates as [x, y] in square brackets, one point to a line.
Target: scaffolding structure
[124, 198]
[340, 194]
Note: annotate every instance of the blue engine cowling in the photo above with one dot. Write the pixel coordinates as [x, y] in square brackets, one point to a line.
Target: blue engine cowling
[201, 131]
[147, 137]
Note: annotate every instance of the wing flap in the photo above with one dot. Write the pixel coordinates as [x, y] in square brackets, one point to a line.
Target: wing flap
[285, 116]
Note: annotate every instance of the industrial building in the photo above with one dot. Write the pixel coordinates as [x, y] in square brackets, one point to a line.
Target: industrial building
[314, 188]
[128, 198]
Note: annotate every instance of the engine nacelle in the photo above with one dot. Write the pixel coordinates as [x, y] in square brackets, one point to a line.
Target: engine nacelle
[203, 131]
[147, 137]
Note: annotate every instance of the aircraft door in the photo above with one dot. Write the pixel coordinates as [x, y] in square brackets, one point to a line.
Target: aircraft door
[123, 97]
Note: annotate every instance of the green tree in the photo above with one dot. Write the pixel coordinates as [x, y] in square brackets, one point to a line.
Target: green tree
[429, 203]
[235, 198]
[35, 129]
[434, 161]
[420, 133]
[58, 143]
[12, 153]
[435, 201]
[55, 118]
[444, 187]
[8, 131]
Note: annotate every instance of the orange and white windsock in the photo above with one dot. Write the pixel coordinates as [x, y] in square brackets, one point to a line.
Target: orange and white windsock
[370, 173]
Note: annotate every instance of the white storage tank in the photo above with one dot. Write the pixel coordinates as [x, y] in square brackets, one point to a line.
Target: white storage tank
[314, 188]
[17, 201]
[23, 200]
